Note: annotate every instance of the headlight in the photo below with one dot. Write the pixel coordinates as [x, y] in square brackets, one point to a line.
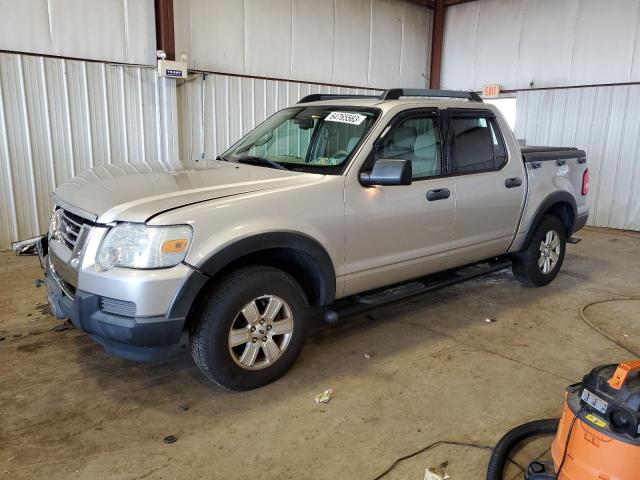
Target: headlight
[134, 245]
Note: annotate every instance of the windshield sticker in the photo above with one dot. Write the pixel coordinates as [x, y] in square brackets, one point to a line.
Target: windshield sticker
[345, 117]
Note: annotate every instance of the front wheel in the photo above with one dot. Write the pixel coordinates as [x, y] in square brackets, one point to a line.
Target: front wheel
[539, 263]
[250, 328]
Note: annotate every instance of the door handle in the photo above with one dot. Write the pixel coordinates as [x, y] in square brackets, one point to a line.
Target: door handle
[513, 182]
[438, 194]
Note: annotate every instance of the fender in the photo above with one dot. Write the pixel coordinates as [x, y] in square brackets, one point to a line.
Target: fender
[543, 208]
[323, 269]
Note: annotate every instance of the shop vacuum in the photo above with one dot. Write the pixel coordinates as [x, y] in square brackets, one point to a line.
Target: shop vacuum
[597, 437]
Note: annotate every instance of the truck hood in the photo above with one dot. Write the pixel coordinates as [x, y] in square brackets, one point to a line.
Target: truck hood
[128, 193]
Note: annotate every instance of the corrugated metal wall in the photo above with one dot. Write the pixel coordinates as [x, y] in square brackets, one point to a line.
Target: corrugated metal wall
[216, 110]
[59, 117]
[605, 122]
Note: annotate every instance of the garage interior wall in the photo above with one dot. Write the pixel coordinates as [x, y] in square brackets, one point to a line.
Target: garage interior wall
[102, 103]
[561, 46]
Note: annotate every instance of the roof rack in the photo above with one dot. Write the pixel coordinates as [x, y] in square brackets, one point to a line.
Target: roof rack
[396, 93]
[316, 97]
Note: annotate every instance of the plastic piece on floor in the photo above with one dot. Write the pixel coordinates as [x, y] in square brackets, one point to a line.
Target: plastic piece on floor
[170, 439]
[367, 356]
[489, 320]
[67, 325]
[325, 396]
[437, 473]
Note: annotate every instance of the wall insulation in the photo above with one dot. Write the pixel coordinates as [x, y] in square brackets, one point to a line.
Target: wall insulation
[59, 117]
[365, 43]
[541, 43]
[216, 110]
[604, 121]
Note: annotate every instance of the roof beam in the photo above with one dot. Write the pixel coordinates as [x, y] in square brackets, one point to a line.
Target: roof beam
[437, 39]
[165, 34]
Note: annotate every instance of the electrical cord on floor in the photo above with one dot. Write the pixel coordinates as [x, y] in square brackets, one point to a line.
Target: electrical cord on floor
[590, 324]
[437, 444]
[566, 443]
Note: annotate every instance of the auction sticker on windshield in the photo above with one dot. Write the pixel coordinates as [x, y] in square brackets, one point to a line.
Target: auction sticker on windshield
[345, 117]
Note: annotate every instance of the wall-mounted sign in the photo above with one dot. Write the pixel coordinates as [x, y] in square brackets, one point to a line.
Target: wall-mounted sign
[169, 68]
[491, 91]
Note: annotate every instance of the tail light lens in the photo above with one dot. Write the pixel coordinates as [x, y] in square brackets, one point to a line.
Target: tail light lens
[585, 182]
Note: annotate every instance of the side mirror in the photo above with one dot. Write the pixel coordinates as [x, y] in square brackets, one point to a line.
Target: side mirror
[388, 172]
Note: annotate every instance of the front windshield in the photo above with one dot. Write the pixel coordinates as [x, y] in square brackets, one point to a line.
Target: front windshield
[313, 138]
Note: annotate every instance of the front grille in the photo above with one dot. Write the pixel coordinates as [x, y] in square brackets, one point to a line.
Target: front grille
[69, 228]
[118, 307]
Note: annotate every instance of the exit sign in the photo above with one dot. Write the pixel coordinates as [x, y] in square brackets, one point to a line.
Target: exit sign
[491, 91]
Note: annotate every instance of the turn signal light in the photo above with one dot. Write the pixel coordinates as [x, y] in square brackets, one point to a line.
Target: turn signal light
[175, 246]
[585, 182]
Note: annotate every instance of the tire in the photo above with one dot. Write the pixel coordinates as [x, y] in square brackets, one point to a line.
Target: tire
[526, 264]
[241, 301]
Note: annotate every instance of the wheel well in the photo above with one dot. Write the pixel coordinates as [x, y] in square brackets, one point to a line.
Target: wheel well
[564, 212]
[300, 265]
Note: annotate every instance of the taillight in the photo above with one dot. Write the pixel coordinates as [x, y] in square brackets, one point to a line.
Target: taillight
[585, 182]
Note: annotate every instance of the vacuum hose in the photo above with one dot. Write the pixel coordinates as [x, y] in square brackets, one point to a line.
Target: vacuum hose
[501, 452]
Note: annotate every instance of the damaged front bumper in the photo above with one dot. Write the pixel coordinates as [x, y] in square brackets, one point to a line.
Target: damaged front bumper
[130, 337]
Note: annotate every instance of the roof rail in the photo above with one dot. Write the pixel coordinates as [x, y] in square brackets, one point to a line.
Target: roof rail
[316, 97]
[396, 93]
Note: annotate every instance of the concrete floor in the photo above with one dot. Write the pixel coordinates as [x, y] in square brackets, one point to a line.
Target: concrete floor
[437, 371]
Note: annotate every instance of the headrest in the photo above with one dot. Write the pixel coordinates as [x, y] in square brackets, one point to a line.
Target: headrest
[353, 141]
[404, 137]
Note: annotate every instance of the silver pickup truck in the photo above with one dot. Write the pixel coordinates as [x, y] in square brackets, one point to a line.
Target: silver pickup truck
[334, 205]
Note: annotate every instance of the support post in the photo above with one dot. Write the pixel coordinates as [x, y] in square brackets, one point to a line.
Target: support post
[437, 37]
[165, 34]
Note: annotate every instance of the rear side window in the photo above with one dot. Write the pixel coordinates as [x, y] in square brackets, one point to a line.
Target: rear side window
[476, 145]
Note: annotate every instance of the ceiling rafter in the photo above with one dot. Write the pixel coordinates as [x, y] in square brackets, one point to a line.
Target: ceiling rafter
[430, 4]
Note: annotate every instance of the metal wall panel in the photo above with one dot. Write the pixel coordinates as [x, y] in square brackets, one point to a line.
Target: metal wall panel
[110, 30]
[546, 43]
[604, 121]
[217, 110]
[59, 117]
[368, 43]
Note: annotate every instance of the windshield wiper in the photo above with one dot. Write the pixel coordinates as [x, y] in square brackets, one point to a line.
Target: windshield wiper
[261, 162]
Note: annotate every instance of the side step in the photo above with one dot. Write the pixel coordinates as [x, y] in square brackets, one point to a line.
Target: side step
[362, 303]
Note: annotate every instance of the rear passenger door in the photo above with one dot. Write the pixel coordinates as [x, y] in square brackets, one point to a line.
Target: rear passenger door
[489, 185]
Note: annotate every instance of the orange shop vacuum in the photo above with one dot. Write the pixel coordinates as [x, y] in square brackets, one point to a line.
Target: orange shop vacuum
[597, 437]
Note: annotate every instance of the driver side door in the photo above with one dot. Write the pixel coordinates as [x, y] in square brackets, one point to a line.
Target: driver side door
[395, 233]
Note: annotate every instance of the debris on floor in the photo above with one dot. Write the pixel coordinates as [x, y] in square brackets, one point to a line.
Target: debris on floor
[489, 320]
[325, 396]
[67, 325]
[437, 473]
[170, 439]
[183, 408]
[367, 356]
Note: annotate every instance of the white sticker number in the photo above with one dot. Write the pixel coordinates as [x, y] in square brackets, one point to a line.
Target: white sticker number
[345, 117]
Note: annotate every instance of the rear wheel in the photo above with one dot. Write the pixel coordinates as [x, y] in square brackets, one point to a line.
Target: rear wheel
[250, 328]
[541, 260]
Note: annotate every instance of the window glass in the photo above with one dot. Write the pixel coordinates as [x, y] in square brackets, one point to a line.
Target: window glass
[476, 145]
[416, 139]
[308, 139]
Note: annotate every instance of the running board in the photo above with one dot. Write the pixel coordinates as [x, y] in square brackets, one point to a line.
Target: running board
[361, 303]
[573, 240]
